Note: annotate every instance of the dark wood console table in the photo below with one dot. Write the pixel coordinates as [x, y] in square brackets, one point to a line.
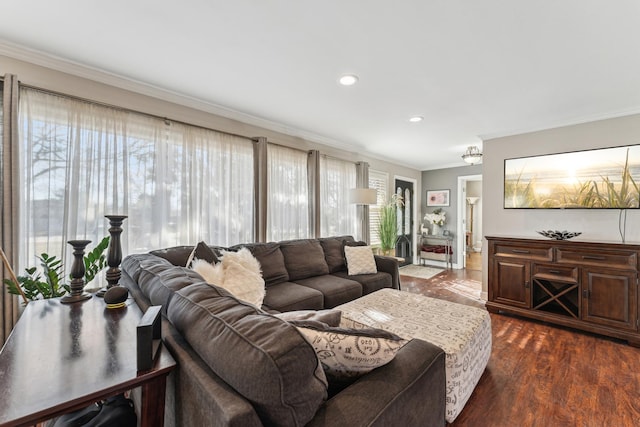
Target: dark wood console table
[63, 357]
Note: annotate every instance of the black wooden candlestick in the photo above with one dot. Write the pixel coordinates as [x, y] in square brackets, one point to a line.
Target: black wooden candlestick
[114, 256]
[77, 273]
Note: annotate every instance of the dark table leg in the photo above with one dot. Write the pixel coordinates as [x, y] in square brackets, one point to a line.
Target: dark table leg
[153, 395]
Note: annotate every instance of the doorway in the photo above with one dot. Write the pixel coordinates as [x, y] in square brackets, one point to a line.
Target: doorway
[405, 215]
[470, 223]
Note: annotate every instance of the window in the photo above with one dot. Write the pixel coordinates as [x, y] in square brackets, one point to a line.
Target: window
[287, 193]
[379, 181]
[337, 214]
[80, 161]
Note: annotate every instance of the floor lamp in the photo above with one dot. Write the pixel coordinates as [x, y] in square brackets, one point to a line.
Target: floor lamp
[472, 201]
[363, 197]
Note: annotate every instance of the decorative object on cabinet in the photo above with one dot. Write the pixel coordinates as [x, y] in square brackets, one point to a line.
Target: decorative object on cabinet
[559, 235]
[590, 286]
[437, 197]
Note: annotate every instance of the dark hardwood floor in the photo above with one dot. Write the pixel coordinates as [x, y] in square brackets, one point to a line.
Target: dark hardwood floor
[545, 375]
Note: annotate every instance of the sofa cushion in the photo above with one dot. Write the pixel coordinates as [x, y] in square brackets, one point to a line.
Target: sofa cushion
[304, 258]
[262, 357]
[334, 252]
[370, 282]
[177, 255]
[360, 260]
[287, 296]
[336, 290]
[271, 261]
[157, 278]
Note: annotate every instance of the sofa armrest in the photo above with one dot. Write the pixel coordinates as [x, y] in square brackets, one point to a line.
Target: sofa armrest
[389, 265]
[408, 391]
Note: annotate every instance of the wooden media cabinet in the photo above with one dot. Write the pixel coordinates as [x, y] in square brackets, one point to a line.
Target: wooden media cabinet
[590, 286]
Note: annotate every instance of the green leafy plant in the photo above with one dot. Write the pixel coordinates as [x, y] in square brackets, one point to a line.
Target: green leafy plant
[388, 223]
[95, 260]
[50, 282]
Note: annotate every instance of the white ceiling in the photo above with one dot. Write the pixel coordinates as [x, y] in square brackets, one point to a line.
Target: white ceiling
[474, 69]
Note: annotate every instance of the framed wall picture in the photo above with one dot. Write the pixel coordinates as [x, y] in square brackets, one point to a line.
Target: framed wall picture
[437, 197]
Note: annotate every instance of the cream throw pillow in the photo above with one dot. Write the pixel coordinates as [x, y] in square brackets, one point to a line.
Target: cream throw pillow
[360, 260]
[238, 272]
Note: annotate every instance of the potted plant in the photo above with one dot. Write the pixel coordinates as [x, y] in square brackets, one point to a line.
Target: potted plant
[388, 224]
[32, 285]
[436, 219]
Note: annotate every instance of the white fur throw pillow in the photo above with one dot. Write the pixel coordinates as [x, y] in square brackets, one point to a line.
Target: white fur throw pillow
[238, 272]
[210, 273]
[243, 283]
[360, 260]
[244, 258]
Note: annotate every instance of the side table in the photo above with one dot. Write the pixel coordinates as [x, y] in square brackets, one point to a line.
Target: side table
[62, 357]
[445, 241]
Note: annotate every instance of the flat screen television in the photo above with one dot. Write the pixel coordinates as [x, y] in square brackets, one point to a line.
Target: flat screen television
[606, 178]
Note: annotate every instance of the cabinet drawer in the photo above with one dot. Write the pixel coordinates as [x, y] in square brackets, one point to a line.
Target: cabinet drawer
[525, 252]
[626, 260]
[556, 272]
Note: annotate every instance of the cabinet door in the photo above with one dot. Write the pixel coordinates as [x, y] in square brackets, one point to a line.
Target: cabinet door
[510, 282]
[609, 298]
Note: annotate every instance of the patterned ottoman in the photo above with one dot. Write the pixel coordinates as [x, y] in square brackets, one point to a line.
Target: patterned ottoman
[463, 332]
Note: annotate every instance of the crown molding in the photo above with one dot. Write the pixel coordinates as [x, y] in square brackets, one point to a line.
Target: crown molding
[77, 69]
[559, 124]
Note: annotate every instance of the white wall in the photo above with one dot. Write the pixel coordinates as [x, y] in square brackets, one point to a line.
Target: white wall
[596, 224]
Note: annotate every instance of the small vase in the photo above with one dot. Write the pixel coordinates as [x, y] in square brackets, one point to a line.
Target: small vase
[435, 230]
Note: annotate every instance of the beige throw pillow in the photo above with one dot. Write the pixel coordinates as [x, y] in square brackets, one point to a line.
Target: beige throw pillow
[360, 260]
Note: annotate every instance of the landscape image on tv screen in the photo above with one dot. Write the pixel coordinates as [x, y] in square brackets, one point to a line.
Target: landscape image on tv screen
[605, 178]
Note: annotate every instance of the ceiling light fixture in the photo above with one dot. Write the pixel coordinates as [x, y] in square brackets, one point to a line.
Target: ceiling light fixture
[473, 155]
[416, 119]
[348, 80]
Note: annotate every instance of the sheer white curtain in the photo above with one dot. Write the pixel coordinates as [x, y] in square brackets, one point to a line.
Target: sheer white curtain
[287, 193]
[80, 161]
[337, 214]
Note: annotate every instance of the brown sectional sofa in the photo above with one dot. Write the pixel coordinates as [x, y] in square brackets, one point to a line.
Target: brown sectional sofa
[239, 365]
[306, 274]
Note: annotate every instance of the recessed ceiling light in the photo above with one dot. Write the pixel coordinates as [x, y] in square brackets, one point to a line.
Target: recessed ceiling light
[416, 119]
[348, 80]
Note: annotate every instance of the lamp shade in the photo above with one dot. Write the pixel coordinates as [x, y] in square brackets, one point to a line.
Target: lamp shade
[472, 200]
[363, 196]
